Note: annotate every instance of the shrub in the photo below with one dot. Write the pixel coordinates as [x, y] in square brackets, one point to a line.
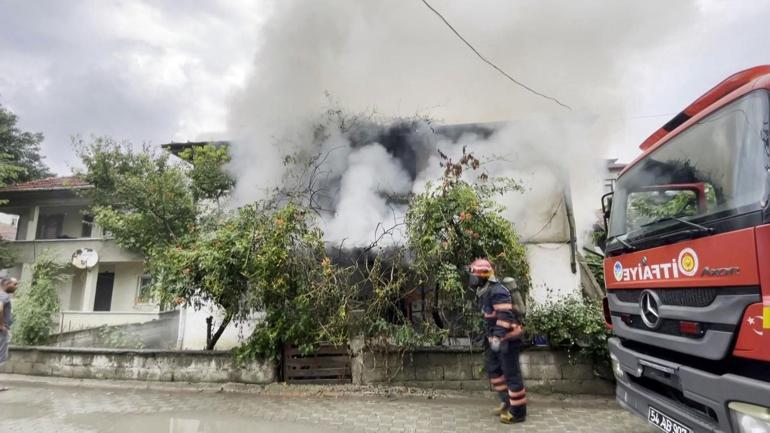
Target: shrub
[573, 323]
[38, 303]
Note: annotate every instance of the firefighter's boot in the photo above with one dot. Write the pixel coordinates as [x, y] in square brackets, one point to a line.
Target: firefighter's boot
[508, 418]
[500, 409]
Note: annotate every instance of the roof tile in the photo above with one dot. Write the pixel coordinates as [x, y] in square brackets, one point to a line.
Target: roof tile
[47, 184]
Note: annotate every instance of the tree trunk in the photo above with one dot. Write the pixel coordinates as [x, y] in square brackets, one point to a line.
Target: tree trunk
[214, 338]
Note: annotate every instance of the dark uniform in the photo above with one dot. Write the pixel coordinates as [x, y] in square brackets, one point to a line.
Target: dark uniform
[502, 322]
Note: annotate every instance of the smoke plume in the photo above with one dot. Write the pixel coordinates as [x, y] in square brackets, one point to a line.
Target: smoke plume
[396, 60]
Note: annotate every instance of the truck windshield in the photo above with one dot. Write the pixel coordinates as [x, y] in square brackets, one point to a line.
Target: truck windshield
[717, 165]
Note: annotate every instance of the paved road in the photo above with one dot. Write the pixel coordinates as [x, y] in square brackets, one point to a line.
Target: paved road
[41, 408]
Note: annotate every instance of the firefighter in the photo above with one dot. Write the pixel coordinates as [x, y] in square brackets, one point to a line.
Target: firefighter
[503, 341]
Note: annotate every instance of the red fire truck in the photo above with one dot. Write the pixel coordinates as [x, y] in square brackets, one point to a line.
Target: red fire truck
[687, 266]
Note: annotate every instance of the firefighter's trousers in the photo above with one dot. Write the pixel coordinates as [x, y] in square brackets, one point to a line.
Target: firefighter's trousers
[504, 373]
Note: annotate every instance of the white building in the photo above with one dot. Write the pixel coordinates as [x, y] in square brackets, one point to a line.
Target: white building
[51, 217]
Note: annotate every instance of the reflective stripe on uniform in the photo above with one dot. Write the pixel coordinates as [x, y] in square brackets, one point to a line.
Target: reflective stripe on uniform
[519, 402]
[515, 395]
[498, 380]
[516, 330]
[504, 324]
[503, 307]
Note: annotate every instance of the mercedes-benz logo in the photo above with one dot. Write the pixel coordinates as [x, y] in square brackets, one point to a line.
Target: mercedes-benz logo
[649, 303]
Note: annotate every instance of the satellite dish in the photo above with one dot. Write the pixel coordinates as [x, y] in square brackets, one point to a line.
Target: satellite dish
[85, 258]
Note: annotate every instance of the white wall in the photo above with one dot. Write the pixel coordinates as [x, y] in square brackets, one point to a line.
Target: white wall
[193, 329]
[125, 290]
[549, 267]
[72, 225]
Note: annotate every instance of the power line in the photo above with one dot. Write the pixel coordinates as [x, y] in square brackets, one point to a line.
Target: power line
[488, 62]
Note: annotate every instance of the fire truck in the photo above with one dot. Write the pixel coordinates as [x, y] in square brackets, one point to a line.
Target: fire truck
[687, 266]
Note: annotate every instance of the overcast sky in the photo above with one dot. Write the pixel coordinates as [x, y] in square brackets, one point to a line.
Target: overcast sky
[168, 70]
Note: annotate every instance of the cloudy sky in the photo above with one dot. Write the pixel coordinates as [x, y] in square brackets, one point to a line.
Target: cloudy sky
[159, 71]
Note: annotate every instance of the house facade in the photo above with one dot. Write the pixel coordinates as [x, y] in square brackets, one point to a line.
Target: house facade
[51, 218]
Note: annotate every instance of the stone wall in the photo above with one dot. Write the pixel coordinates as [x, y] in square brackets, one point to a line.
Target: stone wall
[463, 368]
[119, 364]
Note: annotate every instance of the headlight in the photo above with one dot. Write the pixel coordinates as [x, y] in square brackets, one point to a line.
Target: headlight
[749, 418]
[616, 367]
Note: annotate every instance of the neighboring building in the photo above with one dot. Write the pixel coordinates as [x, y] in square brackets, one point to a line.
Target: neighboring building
[613, 171]
[52, 219]
[177, 148]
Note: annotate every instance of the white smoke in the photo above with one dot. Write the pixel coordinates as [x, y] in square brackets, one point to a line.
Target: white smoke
[397, 58]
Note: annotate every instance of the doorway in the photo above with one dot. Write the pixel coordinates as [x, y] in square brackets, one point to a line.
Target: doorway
[104, 283]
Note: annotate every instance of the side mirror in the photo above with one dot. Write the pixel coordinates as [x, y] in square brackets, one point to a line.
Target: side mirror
[606, 207]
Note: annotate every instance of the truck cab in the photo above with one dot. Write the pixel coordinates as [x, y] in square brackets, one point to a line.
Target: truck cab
[687, 266]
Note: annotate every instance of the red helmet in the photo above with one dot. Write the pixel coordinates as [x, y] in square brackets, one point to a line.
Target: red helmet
[481, 268]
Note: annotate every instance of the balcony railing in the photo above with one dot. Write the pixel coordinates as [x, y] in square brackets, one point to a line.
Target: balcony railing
[108, 250]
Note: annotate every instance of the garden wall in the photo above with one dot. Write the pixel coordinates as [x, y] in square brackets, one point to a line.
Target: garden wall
[161, 334]
[463, 368]
[438, 368]
[120, 364]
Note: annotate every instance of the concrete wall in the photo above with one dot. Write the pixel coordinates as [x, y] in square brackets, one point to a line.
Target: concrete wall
[160, 333]
[463, 368]
[193, 328]
[119, 364]
[78, 320]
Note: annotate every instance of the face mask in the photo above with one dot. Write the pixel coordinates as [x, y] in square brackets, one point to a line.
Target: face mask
[475, 281]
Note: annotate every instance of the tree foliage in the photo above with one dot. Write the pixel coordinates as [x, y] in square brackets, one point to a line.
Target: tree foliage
[207, 174]
[20, 158]
[273, 261]
[38, 303]
[455, 222]
[142, 198]
[574, 323]
[269, 260]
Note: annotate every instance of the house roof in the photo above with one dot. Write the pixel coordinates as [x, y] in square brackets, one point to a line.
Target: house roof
[177, 148]
[47, 184]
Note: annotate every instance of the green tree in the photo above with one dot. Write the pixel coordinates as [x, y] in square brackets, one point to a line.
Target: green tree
[142, 198]
[256, 257]
[455, 222]
[39, 302]
[209, 179]
[20, 150]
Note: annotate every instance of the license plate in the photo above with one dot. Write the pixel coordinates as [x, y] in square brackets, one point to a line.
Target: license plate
[665, 422]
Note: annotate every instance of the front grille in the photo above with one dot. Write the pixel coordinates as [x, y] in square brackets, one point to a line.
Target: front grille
[685, 297]
[671, 327]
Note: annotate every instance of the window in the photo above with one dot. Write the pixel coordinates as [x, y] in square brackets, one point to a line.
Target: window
[144, 290]
[51, 226]
[87, 227]
[715, 167]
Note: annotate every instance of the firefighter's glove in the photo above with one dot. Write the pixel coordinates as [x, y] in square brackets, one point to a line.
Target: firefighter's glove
[494, 344]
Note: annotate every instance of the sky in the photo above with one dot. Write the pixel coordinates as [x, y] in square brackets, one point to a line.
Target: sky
[160, 71]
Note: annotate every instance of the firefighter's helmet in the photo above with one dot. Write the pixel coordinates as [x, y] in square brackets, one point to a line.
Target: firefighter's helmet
[481, 268]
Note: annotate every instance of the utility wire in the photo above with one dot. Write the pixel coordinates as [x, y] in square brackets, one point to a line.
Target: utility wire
[488, 62]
